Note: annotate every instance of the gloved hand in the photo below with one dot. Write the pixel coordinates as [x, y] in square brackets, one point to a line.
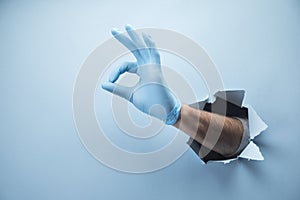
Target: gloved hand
[151, 94]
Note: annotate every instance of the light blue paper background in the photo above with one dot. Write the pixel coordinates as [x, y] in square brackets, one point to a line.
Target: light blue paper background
[255, 44]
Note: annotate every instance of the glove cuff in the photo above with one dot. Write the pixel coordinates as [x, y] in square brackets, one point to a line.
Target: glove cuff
[172, 117]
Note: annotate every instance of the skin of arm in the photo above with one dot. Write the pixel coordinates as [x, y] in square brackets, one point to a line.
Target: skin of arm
[195, 123]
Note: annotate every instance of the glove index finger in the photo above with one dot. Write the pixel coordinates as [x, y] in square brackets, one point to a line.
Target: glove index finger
[125, 67]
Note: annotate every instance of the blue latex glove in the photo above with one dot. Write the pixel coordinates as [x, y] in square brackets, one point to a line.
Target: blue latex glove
[151, 94]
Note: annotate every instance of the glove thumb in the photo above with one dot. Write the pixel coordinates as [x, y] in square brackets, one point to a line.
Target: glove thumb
[114, 88]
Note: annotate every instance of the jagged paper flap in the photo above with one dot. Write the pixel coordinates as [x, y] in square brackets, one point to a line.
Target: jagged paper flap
[251, 152]
[199, 105]
[233, 96]
[256, 124]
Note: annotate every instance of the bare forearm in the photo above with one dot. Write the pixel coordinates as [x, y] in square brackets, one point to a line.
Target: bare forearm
[197, 123]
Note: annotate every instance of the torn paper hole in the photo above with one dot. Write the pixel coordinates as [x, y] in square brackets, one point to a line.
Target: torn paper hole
[234, 108]
[256, 126]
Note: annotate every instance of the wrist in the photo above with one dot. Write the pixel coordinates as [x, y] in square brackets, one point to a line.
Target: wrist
[174, 115]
